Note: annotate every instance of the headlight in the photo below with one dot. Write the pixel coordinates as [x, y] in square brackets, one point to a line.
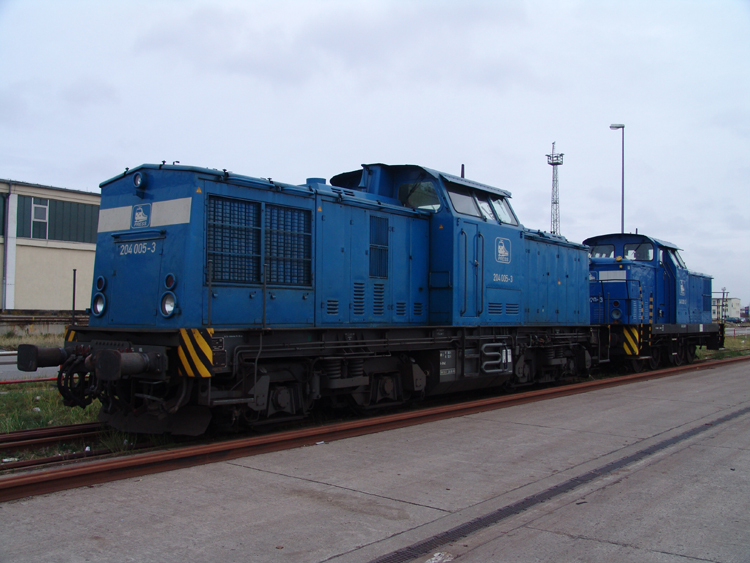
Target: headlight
[168, 304]
[98, 305]
[616, 314]
[139, 180]
[101, 283]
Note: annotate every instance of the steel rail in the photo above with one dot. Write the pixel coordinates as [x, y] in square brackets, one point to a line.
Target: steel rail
[79, 475]
[49, 431]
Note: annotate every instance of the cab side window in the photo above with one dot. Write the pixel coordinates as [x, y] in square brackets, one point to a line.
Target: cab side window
[643, 251]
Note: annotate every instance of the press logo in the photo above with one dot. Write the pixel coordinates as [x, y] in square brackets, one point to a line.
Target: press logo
[141, 215]
[502, 250]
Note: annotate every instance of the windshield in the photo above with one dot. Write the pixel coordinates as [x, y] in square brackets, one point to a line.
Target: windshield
[419, 195]
[643, 251]
[602, 251]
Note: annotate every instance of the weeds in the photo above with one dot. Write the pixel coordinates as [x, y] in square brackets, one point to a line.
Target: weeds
[10, 340]
[26, 405]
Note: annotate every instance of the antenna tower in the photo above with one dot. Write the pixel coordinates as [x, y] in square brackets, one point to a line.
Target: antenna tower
[555, 160]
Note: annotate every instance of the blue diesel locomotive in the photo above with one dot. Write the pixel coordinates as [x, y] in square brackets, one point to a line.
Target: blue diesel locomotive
[654, 308]
[245, 300]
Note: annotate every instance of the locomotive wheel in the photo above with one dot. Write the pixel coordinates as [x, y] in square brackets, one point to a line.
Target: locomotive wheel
[679, 357]
[655, 359]
[637, 365]
[690, 353]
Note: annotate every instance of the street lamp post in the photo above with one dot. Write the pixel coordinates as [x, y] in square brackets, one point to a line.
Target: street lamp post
[614, 127]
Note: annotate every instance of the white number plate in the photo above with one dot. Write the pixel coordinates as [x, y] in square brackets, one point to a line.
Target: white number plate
[137, 248]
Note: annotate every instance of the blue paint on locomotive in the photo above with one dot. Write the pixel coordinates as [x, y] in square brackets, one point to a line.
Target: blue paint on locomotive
[636, 279]
[180, 246]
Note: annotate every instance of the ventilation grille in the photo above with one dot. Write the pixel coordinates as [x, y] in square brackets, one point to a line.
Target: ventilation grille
[511, 308]
[418, 309]
[400, 308]
[345, 192]
[495, 308]
[233, 240]
[378, 301]
[359, 299]
[288, 245]
[332, 307]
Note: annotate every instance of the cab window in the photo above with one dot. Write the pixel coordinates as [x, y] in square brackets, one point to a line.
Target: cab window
[463, 202]
[503, 210]
[602, 251]
[485, 207]
[677, 258]
[419, 195]
[642, 251]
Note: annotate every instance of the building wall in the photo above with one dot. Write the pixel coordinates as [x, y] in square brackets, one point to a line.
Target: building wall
[731, 308]
[39, 269]
[44, 274]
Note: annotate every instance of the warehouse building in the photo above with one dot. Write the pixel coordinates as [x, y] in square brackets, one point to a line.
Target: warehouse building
[47, 233]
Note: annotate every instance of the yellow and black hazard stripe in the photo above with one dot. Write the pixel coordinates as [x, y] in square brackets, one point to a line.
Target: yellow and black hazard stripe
[631, 340]
[70, 335]
[195, 353]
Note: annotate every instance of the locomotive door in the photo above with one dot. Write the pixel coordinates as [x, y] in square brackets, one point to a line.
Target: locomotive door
[136, 278]
[471, 266]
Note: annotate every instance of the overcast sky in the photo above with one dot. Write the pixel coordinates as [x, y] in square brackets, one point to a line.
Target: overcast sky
[298, 89]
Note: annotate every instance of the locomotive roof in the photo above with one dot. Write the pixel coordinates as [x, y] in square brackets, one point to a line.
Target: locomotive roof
[630, 236]
[352, 179]
[473, 184]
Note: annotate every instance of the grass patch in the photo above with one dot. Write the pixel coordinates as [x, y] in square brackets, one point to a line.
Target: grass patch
[33, 405]
[10, 340]
[733, 346]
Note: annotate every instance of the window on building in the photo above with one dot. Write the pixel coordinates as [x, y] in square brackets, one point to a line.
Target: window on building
[51, 219]
[39, 209]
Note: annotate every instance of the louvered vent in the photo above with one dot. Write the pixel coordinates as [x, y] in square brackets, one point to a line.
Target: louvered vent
[495, 308]
[418, 309]
[511, 308]
[378, 299]
[332, 307]
[400, 308]
[359, 299]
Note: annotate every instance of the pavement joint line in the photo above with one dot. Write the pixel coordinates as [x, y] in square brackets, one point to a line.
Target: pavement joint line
[335, 486]
[425, 546]
[622, 544]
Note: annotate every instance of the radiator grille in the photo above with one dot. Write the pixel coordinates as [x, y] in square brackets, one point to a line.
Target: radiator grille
[233, 240]
[288, 245]
[511, 308]
[495, 308]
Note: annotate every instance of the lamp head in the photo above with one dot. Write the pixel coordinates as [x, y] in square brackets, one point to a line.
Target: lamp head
[615, 126]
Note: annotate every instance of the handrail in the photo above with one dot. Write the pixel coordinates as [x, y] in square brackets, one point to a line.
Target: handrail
[466, 267]
[481, 277]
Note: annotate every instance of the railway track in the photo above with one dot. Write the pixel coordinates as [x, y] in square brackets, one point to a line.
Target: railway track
[94, 472]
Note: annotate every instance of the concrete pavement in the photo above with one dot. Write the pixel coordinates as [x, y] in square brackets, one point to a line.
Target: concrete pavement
[360, 499]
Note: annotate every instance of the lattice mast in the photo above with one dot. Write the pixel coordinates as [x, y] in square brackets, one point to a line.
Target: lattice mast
[555, 160]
